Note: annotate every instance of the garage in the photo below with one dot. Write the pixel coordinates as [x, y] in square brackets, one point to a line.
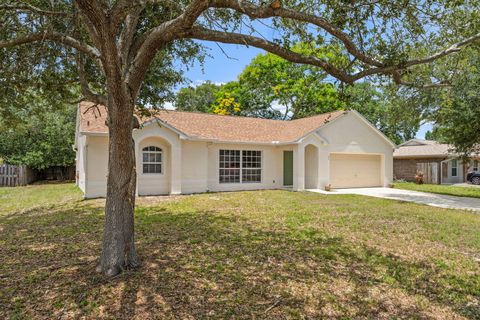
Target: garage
[349, 170]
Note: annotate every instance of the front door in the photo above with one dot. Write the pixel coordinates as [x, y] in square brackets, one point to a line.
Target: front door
[287, 168]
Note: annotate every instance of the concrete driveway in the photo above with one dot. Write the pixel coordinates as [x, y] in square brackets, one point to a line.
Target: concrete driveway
[431, 199]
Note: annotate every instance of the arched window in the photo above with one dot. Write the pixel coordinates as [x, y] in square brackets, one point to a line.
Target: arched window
[152, 160]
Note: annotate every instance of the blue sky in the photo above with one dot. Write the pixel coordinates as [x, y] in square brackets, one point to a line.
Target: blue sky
[227, 63]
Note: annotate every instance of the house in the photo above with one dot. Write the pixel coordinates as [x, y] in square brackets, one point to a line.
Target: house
[432, 158]
[186, 152]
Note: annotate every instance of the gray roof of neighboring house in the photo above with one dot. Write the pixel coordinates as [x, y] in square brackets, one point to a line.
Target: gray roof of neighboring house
[417, 148]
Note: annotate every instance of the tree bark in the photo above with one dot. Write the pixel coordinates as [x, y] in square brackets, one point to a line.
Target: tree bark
[118, 250]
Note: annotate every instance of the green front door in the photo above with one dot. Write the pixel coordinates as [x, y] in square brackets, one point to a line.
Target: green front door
[287, 168]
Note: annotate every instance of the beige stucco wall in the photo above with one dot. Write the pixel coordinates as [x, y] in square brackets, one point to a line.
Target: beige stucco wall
[311, 166]
[169, 181]
[154, 183]
[80, 160]
[194, 166]
[272, 167]
[96, 166]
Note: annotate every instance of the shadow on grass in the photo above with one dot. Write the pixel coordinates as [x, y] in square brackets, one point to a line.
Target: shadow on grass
[203, 264]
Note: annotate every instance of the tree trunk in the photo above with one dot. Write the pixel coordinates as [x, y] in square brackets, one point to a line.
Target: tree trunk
[118, 251]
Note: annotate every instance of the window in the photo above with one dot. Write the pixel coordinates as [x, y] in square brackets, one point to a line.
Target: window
[454, 168]
[229, 166]
[251, 166]
[475, 165]
[152, 160]
[240, 166]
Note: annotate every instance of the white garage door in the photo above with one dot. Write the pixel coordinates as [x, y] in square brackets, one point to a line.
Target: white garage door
[355, 170]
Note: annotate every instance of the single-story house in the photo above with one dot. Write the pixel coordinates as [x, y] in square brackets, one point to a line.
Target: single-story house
[187, 152]
[431, 158]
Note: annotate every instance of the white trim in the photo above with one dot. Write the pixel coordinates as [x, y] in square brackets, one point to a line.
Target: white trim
[316, 135]
[241, 182]
[161, 163]
[182, 135]
[299, 140]
[452, 167]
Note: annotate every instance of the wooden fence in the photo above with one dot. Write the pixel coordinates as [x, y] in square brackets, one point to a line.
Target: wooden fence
[430, 172]
[13, 176]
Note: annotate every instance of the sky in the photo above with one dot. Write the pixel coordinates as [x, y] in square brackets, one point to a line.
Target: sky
[226, 62]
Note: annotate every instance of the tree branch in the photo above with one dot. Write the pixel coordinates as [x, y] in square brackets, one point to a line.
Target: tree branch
[456, 47]
[55, 37]
[397, 77]
[86, 92]
[201, 33]
[378, 67]
[123, 8]
[30, 8]
[147, 46]
[127, 35]
[262, 12]
[389, 70]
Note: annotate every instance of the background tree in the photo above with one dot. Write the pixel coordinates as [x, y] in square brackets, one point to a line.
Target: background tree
[124, 50]
[41, 140]
[458, 107]
[196, 98]
[301, 90]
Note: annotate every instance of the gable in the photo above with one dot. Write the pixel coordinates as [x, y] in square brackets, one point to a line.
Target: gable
[353, 129]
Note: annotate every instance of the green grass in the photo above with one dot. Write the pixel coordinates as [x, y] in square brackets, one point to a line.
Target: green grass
[451, 190]
[244, 255]
[26, 198]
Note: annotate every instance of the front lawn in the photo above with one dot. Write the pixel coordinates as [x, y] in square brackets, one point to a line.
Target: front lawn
[243, 255]
[458, 191]
[38, 195]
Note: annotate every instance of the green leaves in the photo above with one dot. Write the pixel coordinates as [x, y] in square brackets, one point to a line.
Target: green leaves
[457, 118]
[40, 140]
[199, 98]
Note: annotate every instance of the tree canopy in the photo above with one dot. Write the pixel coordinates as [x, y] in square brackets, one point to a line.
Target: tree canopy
[456, 108]
[196, 98]
[40, 140]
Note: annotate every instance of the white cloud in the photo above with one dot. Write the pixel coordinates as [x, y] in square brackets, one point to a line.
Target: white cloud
[168, 106]
[197, 83]
[281, 108]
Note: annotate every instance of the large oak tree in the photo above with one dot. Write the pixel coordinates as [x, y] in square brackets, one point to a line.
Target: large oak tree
[120, 52]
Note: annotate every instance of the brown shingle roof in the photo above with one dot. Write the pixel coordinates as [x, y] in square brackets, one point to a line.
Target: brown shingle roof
[422, 148]
[217, 127]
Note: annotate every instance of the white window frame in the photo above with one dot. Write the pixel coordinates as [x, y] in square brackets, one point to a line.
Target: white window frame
[157, 150]
[229, 153]
[454, 161]
[475, 165]
[241, 167]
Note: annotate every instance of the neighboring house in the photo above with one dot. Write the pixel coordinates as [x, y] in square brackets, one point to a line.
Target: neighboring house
[186, 152]
[430, 156]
